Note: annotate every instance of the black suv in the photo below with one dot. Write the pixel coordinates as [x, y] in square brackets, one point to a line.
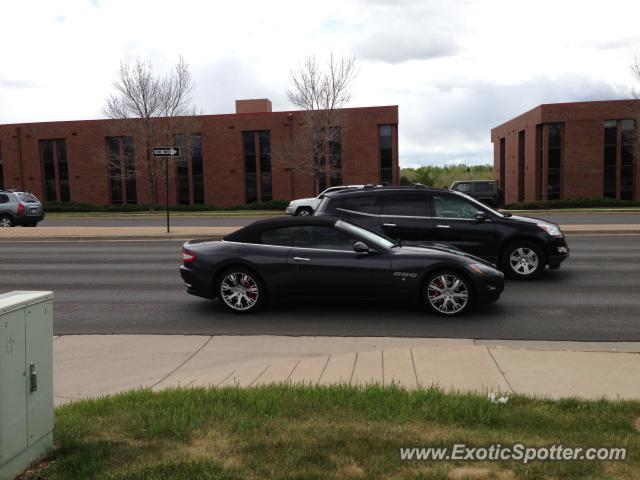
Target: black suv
[520, 246]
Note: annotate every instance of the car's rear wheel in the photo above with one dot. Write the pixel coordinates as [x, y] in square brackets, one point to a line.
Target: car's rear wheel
[447, 293]
[523, 260]
[304, 212]
[240, 290]
[6, 221]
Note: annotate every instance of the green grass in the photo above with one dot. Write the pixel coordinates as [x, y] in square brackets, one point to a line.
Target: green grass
[301, 432]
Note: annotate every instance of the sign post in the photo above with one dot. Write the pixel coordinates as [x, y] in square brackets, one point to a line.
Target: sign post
[166, 152]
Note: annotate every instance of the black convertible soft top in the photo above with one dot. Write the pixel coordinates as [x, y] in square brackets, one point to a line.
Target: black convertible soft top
[251, 233]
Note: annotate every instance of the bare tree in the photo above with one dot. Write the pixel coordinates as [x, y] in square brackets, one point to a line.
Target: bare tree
[635, 71]
[320, 93]
[153, 109]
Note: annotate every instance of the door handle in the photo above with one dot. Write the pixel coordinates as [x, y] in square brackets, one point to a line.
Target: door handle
[301, 259]
[388, 224]
[443, 226]
[33, 378]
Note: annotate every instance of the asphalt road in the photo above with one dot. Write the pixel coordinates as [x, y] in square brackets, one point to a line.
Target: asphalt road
[213, 221]
[134, 287]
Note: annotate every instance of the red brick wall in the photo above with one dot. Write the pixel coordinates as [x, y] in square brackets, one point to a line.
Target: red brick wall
[221, 148]
[583, 146]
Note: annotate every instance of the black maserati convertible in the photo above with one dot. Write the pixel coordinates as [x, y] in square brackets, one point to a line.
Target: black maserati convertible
[324, 257]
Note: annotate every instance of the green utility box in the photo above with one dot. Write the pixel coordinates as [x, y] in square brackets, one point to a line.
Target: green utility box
[26, 380]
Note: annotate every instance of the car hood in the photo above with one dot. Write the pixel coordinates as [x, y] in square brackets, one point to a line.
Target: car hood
[427, 248]
[303, 200]
[518, 218]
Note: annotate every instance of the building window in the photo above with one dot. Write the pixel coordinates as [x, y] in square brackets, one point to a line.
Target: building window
[190, 172]
[610, 158]
[121, 167]
[264, 144]
[521, 150]
[627, 159]
[554, 151]
[386, 154]
[503, 166]
[257, 148]
[1, 169]
[55, 170]
[539, 162]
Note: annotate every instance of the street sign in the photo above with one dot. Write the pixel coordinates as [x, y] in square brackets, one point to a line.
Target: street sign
[166, 152]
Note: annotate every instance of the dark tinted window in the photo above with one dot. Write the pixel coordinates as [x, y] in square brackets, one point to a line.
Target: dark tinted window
[369, 205]
[463, 187]
[4, 198]
[277, 236]
[483, 187]
[406, 205]
[627, 157]
[450, 206]
[610, 156]
[314, 236]
[386, 154]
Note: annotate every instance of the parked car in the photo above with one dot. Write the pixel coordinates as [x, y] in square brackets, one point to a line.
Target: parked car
[19, 208]
[322, 257]
[306, 206]
[485, 191]
[522, 247]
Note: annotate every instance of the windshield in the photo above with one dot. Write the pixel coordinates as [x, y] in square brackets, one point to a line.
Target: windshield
[481, 206]
[374, 238]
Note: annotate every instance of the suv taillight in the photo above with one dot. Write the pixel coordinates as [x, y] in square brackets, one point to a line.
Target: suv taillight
[20, 209]
[188, 256]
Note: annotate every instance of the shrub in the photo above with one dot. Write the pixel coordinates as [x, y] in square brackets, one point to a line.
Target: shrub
[67, 207]
[588, 202]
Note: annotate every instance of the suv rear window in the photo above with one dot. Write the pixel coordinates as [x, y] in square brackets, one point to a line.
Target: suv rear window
[404, 205]
[483, 187]
[368, 204]
[4, 198]
[27, 197]
[463, 187]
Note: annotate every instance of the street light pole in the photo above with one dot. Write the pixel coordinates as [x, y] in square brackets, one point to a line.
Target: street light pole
[166, 185]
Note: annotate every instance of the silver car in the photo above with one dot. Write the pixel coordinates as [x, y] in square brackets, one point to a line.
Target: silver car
[19, 208]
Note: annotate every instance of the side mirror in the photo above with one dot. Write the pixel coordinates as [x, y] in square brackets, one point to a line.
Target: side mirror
[480, 216]
[360, 247]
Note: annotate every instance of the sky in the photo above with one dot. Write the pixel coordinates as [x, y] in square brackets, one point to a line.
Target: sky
[455, 68]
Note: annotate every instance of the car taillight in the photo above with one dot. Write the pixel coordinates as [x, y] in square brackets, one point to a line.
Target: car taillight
[20, 209]
[188, 256]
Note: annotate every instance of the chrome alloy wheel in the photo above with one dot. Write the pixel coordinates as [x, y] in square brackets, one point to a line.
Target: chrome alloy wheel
[239, 291]
[523, 260]
[5, 222]
[448, 294]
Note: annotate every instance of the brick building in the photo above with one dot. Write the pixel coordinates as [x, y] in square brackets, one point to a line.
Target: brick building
[225, 160]
[569, 150]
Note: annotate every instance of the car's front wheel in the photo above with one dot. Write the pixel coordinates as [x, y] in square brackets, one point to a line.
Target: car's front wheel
[304, 212]
[240, 290]
[523, 260]
[447, 293]
[6, 221]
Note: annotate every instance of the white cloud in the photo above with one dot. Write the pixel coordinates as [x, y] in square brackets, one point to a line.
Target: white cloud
[455, 68]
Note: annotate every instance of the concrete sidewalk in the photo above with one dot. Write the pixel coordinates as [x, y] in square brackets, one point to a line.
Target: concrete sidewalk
[92, 365]
[154, 233]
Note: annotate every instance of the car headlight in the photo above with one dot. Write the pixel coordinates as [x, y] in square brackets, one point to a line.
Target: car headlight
[482, 269]
[551, 229]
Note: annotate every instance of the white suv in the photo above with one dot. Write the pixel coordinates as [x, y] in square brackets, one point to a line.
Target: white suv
[306, 206]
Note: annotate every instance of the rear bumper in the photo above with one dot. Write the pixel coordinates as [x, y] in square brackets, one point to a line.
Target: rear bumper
[196, 284]
[28, 219]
